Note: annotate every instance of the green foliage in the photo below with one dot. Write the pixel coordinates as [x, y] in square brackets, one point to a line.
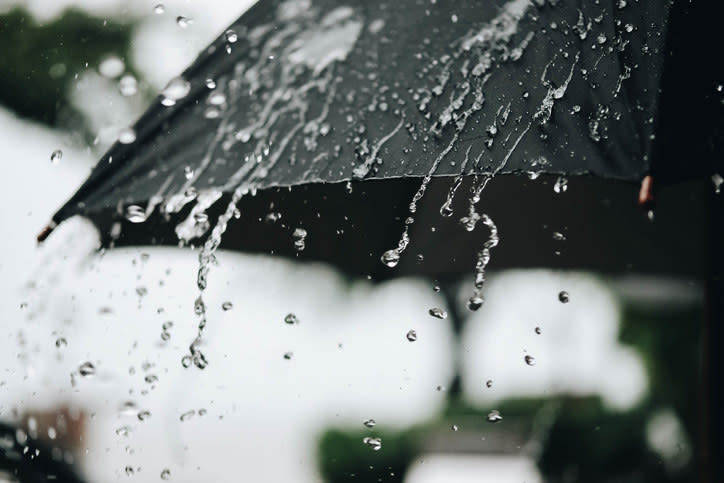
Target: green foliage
[38, 61]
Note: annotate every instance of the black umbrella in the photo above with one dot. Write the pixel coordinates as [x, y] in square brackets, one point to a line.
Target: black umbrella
[364, 134]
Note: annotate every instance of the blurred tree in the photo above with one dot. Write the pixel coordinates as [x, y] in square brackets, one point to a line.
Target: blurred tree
[38, 62]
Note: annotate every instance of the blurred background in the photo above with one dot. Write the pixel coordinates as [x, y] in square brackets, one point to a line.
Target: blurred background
[362, 387]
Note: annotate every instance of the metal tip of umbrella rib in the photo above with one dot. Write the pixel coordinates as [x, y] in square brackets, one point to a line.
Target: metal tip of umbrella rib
[46, 232]
[646, 194]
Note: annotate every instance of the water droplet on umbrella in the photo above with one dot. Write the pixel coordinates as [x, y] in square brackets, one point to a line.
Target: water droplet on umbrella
[494, 416]
[135, 214]
[159, 9]
[299, 235]
[530, 360]
[123, 431]
[629, 28]
[227, 306]
[151, 378]
[187, 415]
[374, 443]
[183, 22]
[87, 369]
[61, 342]
[558, 236]
[217, 98]
[436, 288]
[538, 330]
[288, 355]
[186, 361]
[111, 67]
[126, 135]
[291, 319]
[211, 83]
[561, 185]
[370, 423]
[129, 470]
[391, 258]
[143, 415]
[165, 336]
[176, 89]
[188, 172]
[601, 39]
[438, 313]
[411, 335]
[166, 474]
[231, 36]
[563, 297]
[167, 325]
[199, 306]
[717, 179]
[454, 427]
[475, 302]
[454, 18]
[56, 156]
[489, 383]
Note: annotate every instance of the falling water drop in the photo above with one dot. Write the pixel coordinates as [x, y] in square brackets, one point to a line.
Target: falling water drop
[87, 369]
[291, 319]
[411, 335]
[299, 235]
[391, 258]
[530, 360]
[56, 156]
[563, 297]
[717, 179]
[370, 423]
[494, 416]
[438, 313]
[475, 302]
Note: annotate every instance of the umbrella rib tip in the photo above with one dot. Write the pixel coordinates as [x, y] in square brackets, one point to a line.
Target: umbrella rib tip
[46, 232]
[646, 194]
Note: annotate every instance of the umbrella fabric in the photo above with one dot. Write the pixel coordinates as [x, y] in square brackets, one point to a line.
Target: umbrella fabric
[305, 92]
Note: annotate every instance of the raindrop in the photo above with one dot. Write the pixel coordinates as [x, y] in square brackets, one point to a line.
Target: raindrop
[167, 325]
[123, 431]
[151, 378]
[231, 36]
[272, 217]
[561, 185]
[370, 423]
[558, 236]
[475, 302]
[144, 415]
[111, 67]
[454, 427]
[227, 306]
[538, 330]
[530, 360]
[288, 355]
[454, 18]
[411, 335]
[391, 258]
[489, 383]
[717, 179]
[159, 9]
[211, 83]
[374, 443]
[165, 336]
[601, 39]
[87, 369]
[291, 319]
[135, 214]
[129, 470]
[494, 416]
[56, 156]
[183, 22]
[126, 135]
[187, 415]
[188, 172]
[199, 306]
[629, 28]
[438, 313]
[166, 474]
[176, 89]
[61, 342]
[563, 297]
[299, 235]
[186, 361]
[216, 98]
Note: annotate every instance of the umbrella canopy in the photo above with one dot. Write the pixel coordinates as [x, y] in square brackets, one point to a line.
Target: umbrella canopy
[299, 101]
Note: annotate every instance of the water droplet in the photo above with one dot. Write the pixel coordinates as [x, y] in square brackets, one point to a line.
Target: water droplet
[135, 214]
[227, 306]
[111, 67]
[61, 342]
[151, 378]
[166, 474]
[391, 258]
[167, 325]
[165, 336]
[489, 383]
[123, 431]
[183, 22]
[210, 83]
[558, 236]
[143, 415]
[370, 423]
[187, 415]
[159, 9]
[176, 89]
[494, 416]
[231, 36]
[126, 135]
[188, 172]
[629, 28]
[601, 39]
[454, 427]
[530, 360]
[186, 361]
[454, 18]
[299, 235]
[563, 297]
[199, 306]
[561, 185]
[87, 369]
[438, 313]
[291, 319]
[288, 355]
[374, 443]
[475, 302]
[538, 330]
[56, 156]
[717, 179]
[411, 335]
[129, 470]
[216, 98]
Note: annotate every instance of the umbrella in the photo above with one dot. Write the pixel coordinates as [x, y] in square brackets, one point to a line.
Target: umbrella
[371, 135]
